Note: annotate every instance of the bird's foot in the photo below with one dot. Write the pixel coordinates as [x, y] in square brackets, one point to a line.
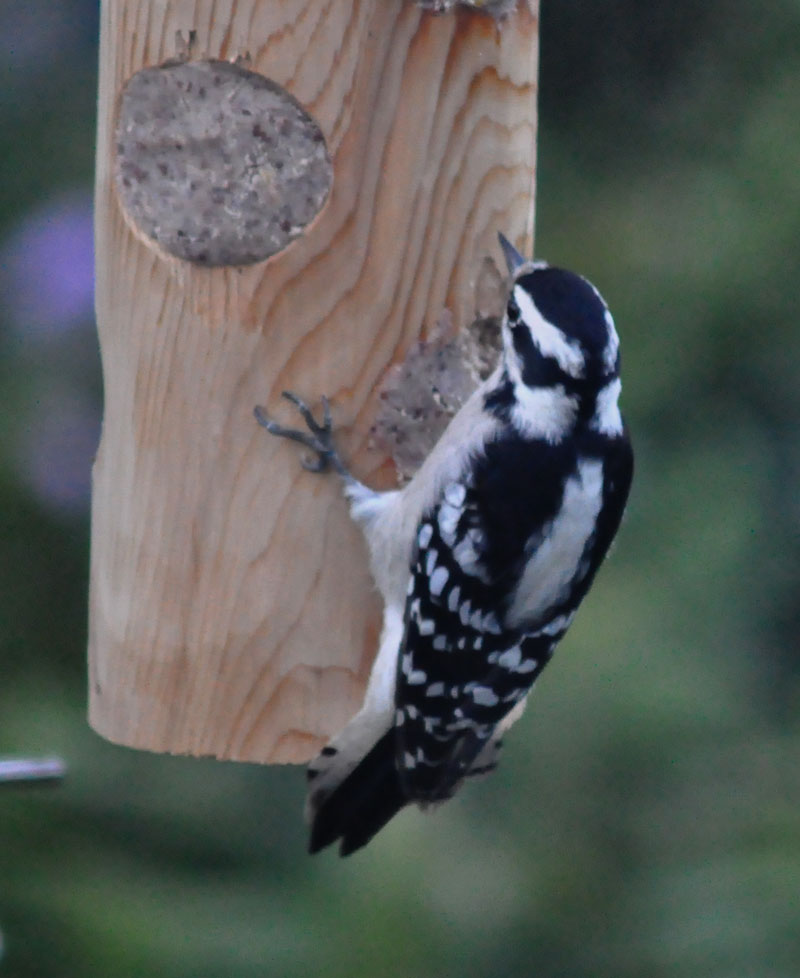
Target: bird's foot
[318, 438]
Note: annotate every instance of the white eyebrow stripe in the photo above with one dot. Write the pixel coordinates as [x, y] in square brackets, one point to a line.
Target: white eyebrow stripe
[549, 338]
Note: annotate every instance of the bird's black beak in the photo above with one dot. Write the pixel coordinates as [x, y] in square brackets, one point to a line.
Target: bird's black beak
[513, 258]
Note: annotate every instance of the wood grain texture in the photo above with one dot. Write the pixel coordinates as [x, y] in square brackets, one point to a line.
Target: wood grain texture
[231, 609]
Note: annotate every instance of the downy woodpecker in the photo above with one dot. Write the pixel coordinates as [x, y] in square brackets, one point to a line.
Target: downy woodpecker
[482, 559]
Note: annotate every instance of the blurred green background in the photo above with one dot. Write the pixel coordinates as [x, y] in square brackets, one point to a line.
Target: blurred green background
[646, 819]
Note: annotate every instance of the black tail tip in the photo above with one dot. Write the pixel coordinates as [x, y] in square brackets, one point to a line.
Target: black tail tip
[358, 826]
[322, 835]
[362, 804]
[348, 846]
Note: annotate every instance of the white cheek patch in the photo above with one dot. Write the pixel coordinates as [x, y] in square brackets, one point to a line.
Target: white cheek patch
[549, 338]
[544, 412]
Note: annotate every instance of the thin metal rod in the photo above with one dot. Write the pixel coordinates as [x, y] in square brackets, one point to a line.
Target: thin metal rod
[15, 769]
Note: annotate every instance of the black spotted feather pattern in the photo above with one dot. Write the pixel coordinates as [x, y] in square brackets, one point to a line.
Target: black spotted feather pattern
[453, 630]
[458, 602]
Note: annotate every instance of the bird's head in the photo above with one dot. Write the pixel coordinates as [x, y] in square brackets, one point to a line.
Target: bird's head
[557, 329]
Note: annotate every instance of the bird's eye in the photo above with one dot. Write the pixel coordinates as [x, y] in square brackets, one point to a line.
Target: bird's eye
[512, 312]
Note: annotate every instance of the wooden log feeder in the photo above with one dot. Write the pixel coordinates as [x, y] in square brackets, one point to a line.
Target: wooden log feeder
[290, 194]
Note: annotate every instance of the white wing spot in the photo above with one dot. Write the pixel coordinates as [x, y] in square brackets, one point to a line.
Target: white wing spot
[426, 626]
[435, 689]
[510, 659]
[559, 624]
[417, 677]
[455, 494]
[438, 580]
[430, 562]
[484, 696]
[491, 624]
[425, 535]
[448, 523]
[465, 554]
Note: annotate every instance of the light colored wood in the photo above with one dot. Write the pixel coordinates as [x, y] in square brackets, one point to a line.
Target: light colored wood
[231, 609]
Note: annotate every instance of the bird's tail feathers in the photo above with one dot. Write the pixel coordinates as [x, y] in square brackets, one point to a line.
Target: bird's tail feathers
[355, 787]
[360, 804]
[340, 756]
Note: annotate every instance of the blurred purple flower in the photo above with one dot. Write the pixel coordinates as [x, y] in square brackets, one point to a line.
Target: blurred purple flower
[47, 263]
[56, 448]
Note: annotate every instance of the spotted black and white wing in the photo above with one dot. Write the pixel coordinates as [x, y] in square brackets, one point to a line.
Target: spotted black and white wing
[460, 670]
[463, 667]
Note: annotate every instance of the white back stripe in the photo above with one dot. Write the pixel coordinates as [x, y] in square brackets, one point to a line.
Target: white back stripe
[553, 567]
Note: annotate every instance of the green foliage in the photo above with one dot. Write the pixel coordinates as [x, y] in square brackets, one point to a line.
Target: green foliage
[645, 822]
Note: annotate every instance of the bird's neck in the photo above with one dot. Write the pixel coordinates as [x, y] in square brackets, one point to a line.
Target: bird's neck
[554, 411]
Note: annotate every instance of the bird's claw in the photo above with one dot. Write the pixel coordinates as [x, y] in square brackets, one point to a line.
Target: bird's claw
[318, 438]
